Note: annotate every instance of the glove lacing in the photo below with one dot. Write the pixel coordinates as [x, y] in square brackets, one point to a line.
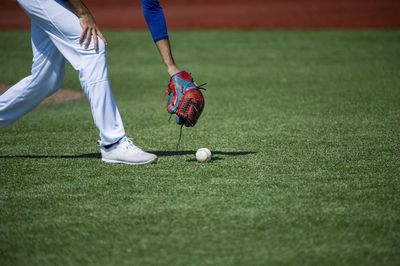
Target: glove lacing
[180, 136]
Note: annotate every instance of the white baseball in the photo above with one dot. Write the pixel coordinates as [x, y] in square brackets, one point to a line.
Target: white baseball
[203, 155]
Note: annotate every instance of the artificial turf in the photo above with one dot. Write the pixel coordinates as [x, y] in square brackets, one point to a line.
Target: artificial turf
[303, 126]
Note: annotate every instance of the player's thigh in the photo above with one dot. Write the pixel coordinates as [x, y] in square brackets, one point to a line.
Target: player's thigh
[54, 17]
[46, 56]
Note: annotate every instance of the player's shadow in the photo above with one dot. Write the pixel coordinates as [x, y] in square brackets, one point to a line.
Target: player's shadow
[158, 153]
[87, 155]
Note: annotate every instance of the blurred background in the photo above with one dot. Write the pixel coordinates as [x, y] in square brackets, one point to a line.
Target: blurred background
[233, 14]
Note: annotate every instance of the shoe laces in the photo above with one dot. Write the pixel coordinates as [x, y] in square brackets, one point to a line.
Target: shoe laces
[128, 145]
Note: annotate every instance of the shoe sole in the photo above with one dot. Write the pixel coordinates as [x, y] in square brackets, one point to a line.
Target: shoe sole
[115, 161]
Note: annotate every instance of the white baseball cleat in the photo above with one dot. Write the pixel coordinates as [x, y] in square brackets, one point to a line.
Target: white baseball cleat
[124, 151]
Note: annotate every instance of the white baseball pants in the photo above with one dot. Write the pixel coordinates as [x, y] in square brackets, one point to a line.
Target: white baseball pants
[55, 33]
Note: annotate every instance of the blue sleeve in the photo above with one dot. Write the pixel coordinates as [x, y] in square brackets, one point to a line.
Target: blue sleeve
[155, 19]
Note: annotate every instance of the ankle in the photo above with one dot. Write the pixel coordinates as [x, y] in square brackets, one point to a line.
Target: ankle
[110, 145]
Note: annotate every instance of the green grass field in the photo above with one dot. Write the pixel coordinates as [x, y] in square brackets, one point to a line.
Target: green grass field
[304, 127]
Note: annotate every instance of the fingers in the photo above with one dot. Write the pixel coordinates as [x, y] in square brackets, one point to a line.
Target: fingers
[94, 33]
[102, 37]
[88, 37]
[91, 33]
[83, 34]
[88, 33]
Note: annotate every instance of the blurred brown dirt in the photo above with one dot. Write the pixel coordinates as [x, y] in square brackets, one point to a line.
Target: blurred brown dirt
[234, 14]
[62, 95]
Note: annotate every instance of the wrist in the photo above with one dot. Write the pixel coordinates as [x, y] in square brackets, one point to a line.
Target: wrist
[172, 69]
[81, 13]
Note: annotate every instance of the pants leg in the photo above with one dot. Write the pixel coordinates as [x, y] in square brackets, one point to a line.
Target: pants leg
[48, 70]
[63, 29]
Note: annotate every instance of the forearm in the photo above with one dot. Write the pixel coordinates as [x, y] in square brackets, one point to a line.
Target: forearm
[164, 48]
[155, 19]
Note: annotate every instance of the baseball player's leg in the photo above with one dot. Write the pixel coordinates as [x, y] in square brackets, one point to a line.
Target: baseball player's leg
[64, 30]
[47, 74]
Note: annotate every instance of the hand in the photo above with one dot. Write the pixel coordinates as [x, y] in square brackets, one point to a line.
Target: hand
[89, 30]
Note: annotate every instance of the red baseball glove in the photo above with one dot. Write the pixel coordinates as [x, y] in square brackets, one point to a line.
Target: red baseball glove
[185, 99]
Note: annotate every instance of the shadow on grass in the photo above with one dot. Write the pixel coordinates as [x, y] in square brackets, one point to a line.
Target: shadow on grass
[98, 155]
[88, 155]
[214, 157]
[179, 153]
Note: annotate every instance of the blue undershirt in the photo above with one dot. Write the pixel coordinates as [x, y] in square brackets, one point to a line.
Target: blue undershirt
[155, 19]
